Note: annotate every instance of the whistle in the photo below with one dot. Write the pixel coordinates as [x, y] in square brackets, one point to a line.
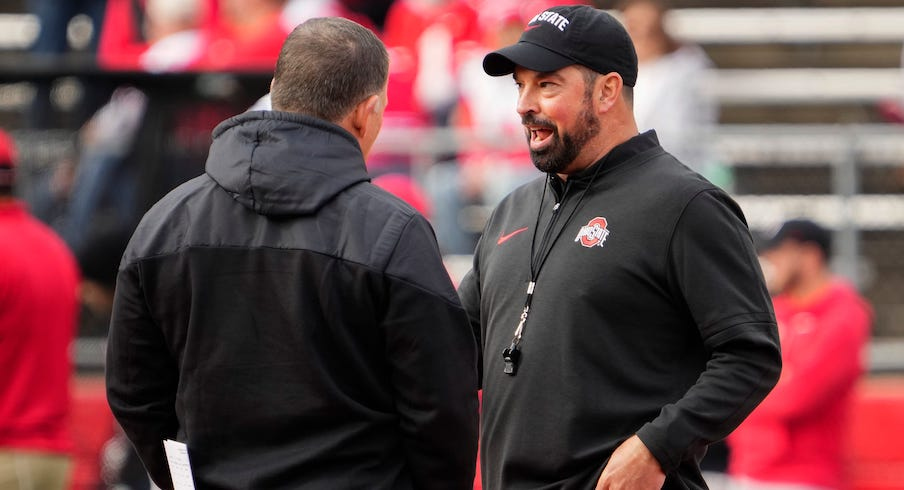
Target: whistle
[510, 356]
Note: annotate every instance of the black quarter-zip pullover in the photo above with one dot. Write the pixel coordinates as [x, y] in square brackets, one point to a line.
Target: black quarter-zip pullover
[649, 316]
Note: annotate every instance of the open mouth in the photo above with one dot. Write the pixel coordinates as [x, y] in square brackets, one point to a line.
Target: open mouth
[540, 137]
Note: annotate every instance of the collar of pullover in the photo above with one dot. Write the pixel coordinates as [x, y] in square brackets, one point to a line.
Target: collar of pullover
[621, 156]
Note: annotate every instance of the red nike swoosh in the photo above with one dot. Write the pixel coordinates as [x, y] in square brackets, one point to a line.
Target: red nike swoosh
[504, 238]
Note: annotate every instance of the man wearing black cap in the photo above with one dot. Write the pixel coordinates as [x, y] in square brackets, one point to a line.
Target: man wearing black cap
[621, 310]
[795, 438]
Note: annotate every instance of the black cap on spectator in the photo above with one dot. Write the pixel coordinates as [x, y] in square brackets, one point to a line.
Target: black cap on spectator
[801, 231]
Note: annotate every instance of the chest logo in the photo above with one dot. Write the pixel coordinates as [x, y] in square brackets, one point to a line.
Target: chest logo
[594, 234]
[504, 238]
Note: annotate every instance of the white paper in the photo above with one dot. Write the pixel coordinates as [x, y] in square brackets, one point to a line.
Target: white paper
[179, 466]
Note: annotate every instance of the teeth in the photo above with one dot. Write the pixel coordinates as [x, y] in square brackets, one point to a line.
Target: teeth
[539, 134]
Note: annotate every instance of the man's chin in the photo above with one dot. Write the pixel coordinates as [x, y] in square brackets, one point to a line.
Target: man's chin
[542, 165]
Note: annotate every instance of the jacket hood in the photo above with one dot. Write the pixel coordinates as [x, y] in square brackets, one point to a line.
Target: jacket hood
[280, 163]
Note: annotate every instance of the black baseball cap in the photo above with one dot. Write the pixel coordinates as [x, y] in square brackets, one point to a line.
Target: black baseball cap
[568, 35]
[801, 231]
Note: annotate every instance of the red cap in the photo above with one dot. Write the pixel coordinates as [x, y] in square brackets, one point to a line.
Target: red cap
[8, 153]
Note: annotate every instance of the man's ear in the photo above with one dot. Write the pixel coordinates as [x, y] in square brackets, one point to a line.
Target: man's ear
[608, 90]
[366, 109]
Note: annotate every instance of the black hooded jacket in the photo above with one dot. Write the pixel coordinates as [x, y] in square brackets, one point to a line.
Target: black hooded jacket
[292, 324]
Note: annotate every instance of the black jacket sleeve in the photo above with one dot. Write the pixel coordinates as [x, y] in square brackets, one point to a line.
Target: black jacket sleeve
[714, 268]
[469, 292]
[141, 376]
[432, 356]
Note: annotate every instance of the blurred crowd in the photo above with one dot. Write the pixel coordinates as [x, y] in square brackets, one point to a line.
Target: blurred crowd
[436, 80]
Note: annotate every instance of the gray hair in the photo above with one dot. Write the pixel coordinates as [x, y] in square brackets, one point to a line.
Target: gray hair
[327, 66]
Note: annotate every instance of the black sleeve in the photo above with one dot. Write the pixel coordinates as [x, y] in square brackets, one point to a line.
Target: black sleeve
[713, 266]
[469, 292]
[142, 376]
[432, 355]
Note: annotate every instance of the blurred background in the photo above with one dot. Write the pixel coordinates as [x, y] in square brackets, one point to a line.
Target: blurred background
[796, 107]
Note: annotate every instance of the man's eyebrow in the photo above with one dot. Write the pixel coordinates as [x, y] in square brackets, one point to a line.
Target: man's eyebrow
[544, 74]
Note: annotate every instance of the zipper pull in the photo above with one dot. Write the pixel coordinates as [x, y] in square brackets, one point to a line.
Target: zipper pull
[556, 207]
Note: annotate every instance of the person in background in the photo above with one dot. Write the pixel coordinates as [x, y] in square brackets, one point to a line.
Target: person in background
[54, 18]
[163, 36]
[286, 319]
[429, 39]
[670, 95]
[795, 438]
[173, 35]
[38, 321]
[51, 47]
[297, 11]
[244, 35]
[620, 306]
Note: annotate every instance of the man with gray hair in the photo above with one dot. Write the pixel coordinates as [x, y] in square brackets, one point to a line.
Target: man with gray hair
[287, 320]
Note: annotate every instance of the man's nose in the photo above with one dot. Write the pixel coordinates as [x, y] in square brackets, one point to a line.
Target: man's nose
[527, 103]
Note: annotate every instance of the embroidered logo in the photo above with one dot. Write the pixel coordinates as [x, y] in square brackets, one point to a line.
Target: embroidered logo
[594, 233]
[551, 17]
[504, 238]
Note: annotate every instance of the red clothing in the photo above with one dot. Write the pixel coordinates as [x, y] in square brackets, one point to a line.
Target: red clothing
[406, 189]
[38, 315]
[454, 23]
[225, 51]
[229, 47]
[796, 435]
[407, 20]
[121, 43]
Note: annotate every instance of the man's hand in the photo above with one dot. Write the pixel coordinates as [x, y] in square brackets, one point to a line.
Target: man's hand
[631, 467]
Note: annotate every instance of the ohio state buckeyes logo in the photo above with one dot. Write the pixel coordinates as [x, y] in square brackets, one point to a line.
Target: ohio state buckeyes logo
[594, 234]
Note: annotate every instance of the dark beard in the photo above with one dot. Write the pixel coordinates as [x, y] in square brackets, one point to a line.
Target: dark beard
[563, 151]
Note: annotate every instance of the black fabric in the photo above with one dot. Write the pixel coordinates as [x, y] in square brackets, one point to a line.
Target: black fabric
[654, 323]
[292, 324]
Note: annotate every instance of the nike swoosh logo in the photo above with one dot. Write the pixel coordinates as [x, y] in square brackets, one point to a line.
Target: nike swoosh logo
[504, 238]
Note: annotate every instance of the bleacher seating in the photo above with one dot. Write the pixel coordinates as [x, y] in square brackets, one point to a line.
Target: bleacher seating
[799, 85]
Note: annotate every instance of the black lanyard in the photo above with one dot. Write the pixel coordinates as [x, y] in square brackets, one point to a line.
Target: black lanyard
[512, 354]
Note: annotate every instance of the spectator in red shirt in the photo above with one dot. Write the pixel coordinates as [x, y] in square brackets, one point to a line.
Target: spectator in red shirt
[38, 316]
[159, 36]
[246, 35]
[794, 438]
[428, 40]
